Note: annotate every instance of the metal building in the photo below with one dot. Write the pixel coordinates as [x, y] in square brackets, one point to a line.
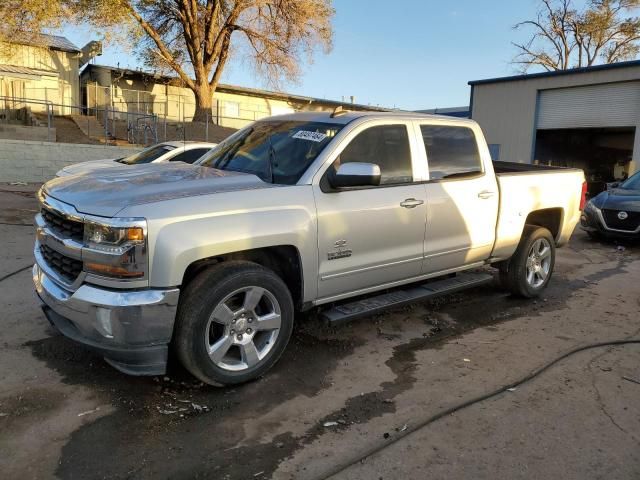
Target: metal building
[584, 117]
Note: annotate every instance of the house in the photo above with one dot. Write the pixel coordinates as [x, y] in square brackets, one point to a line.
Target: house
[37, 70]
[136, 91]
[583, 117]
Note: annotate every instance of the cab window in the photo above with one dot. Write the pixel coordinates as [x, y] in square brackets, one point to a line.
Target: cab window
[451, 151]
[386, 146]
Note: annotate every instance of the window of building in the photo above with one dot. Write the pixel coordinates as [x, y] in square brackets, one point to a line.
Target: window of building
[451, 151]
[386, 146]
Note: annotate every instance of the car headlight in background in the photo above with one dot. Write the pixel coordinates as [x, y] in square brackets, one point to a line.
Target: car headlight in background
[116, 247]
[590, 207]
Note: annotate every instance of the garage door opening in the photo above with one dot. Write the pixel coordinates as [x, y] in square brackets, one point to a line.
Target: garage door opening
[603, 153]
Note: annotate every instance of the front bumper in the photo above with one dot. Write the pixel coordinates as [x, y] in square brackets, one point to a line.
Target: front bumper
[130, 328]
[593, 221]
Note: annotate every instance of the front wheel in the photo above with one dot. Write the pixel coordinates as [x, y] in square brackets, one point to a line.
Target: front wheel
[531, 266]
[233, 324]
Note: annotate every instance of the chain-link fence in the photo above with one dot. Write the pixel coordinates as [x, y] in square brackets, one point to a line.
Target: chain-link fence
[41, 120]
[171, 108]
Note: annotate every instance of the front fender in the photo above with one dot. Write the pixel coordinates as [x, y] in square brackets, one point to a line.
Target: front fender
[282, 219]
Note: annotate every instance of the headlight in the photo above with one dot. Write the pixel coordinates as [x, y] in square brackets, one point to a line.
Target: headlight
[590, 207]
[116, 248]
[111, 238]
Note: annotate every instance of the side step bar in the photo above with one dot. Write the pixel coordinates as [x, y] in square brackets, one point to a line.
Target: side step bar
[368, 306]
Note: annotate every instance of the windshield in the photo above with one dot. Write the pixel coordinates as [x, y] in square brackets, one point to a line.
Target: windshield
[275, 151]
[632, 183]
[147, 155]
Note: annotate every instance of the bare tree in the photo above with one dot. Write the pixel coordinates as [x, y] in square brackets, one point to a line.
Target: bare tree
[196, 38]
[605, 31]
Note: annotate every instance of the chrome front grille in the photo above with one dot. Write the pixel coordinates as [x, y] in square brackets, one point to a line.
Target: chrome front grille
[630, 223]
[66, 267]
[59, 233]
[63, 225]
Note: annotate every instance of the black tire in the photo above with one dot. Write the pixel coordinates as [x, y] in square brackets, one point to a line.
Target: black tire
[515, 277]
[197, 303]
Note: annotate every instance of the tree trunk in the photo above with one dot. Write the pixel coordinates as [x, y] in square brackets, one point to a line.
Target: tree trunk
[204, 101]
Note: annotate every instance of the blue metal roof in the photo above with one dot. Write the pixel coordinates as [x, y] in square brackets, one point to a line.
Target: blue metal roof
[571, 71]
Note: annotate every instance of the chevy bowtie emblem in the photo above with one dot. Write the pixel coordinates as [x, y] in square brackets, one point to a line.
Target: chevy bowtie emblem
[623, 215]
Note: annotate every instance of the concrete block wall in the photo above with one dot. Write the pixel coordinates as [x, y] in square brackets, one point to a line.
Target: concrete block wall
[31, 161]
[20, 132]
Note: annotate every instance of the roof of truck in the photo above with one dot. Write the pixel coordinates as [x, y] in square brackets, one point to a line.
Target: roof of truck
[348, 116]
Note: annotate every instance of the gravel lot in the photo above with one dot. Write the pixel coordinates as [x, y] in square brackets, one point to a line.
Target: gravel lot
[339, 393]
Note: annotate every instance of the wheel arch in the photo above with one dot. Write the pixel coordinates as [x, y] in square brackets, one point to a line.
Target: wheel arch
[284, 260]
[549, 218]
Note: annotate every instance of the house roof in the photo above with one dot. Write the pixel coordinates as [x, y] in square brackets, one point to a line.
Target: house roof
[571, 71]
[26, 70]
[54, 42]
[225, 88]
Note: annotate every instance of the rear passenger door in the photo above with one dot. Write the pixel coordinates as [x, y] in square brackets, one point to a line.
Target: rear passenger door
[462, 198]
[371, 236]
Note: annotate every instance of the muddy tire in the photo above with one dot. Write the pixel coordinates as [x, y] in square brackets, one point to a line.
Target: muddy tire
[233, 323]
[531, 266]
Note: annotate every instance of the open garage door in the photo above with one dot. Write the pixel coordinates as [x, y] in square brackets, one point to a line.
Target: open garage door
[593, 106]
[603, 153]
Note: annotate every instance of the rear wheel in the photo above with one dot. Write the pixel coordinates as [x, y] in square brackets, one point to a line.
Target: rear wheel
[233, 324]
[531, 266]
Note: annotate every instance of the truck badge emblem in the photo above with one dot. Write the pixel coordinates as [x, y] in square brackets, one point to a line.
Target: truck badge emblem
[341, 250]
[623, 215]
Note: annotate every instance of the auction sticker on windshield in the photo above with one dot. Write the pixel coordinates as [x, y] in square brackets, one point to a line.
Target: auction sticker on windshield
[311, 136]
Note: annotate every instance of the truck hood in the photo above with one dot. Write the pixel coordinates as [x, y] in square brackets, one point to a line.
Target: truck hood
[107, 192]
[88, 167]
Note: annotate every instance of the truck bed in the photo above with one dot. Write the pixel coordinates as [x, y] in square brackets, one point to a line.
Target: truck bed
[515, 168]
[535, 188]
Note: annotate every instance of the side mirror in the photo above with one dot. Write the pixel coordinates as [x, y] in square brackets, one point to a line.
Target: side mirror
[355, 174]
[613, 185]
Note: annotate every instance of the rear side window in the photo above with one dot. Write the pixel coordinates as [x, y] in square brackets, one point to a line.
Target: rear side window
[388, 147]
[451, 151]
[190, 156]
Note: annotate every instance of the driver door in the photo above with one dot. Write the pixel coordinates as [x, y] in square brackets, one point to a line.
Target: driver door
[371, 236]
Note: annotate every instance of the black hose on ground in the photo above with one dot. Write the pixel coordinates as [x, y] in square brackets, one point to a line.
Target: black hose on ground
[9, 275]
[456, 408]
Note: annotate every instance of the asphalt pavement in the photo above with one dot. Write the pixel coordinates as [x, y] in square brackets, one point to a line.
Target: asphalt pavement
[340, 394]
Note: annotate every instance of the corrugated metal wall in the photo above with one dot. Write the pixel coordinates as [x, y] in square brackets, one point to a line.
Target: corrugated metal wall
[507, 111]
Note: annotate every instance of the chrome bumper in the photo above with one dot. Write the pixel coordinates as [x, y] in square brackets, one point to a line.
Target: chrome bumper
[131, 328]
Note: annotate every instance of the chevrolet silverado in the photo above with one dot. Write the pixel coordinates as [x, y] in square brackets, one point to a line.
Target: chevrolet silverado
[348, 212]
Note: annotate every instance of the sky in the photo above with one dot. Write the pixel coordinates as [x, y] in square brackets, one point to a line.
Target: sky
[408, 54]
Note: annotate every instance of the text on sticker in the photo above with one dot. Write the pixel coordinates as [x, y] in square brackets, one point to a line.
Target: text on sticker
[312, 136]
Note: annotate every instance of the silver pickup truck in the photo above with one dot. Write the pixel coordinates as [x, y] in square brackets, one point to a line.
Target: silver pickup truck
[348, 212]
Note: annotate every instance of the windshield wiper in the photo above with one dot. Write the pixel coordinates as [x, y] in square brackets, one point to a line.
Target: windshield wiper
[272, 160]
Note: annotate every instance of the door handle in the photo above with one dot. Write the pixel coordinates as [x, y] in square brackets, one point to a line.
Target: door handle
[485, 194]
[411, 203]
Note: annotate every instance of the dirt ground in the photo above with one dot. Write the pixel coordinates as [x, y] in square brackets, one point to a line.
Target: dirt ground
[340, 393]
